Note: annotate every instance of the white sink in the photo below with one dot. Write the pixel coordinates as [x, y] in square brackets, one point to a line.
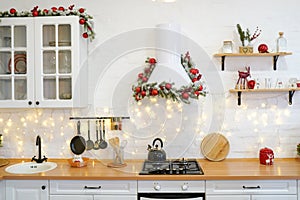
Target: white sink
[30, 167]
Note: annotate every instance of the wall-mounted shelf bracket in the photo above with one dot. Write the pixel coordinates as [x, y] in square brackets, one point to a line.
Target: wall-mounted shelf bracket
[239, 93]
[223, 62]
[275, 58]
[274, 55]
[291, 92]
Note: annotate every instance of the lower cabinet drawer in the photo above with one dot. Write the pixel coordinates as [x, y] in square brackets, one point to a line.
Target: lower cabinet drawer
[251, 197]
[71, 197]
[274, 197]
[92, 187]
[228, 197]
[159, 186]
[252, 187]
[115, 197]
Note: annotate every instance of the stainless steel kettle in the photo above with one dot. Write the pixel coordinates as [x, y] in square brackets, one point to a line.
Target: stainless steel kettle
[155, 153]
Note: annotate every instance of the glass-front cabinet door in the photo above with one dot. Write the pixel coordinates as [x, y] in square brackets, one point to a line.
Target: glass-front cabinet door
[39, 61]
[57, 55]
[16, 65]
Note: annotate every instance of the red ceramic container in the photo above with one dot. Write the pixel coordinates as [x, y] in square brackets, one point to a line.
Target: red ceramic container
[266, 156]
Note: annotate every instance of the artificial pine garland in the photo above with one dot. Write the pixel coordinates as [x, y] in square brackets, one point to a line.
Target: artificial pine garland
[166, 89]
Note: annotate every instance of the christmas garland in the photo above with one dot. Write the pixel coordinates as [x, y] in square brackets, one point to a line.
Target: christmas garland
[165, 89]
[54, 11]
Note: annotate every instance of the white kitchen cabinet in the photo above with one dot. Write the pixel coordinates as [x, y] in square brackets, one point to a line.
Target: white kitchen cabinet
[42, 62]
[27, 189]
[252, 190]
[95, 190]
[2, 190]
[298, 189]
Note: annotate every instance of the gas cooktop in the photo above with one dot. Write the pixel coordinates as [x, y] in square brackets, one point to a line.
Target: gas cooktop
[173, 166]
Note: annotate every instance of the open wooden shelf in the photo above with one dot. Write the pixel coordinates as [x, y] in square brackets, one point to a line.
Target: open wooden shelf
[290, 91]
[274, 55]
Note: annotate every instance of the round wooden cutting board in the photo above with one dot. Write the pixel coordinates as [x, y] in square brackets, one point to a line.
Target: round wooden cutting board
[215, 147]
[3, 162]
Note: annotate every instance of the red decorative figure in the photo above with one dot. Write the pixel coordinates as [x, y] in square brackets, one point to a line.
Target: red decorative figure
[243, 75]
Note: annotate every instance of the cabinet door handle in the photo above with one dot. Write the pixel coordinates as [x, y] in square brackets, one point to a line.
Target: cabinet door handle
[30, 103]
[37, 103]
[43, 187]
[251, 187]
[92, 187]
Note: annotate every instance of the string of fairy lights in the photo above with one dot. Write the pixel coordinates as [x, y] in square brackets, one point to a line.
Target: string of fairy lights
[19, 128]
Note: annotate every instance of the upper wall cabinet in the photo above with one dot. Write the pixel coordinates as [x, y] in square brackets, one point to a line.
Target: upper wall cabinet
[42, 63]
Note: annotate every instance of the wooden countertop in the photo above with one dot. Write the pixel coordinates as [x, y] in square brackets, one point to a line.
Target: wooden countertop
[228, 169]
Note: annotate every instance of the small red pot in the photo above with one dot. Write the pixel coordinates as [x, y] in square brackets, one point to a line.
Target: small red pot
[266, 156]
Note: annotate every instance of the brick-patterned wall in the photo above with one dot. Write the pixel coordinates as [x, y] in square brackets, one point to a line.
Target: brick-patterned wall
[263, 119]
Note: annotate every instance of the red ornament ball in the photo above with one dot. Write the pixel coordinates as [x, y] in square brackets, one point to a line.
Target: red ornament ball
[81, 21]
[143, 93]
[138, 89]
[35, 13]
[199, 77]
[46, 11]
[251, 84]
[200, 88]
[81, 10]
[137, 97]
[85, 35]
[152, 60]
[12, 11]
[168, 86]
[263, 48]
[194, 71]
[61, 8]
[185, 95]
[194, 80]
[54, 9]
[140, 75]
[154, 92]
[144, 79]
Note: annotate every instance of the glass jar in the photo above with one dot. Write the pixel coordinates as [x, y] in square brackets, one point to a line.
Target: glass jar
[227, 46]
[281, 43]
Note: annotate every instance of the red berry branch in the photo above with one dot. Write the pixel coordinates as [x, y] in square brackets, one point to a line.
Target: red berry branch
[57, 11]
[246, 35]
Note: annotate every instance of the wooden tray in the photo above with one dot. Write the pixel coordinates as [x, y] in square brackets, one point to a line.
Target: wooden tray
[215, 147]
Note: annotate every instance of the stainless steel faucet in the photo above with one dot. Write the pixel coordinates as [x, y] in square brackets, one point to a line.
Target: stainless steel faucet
[39, 159]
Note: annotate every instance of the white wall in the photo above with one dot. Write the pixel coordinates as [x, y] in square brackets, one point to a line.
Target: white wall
[262, 120]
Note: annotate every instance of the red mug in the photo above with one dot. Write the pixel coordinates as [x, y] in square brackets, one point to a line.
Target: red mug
[266, 156]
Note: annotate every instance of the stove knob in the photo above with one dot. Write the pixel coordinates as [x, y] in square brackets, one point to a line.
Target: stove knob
[180, 170]
[157, 187]
[184, 187]
[168, 171]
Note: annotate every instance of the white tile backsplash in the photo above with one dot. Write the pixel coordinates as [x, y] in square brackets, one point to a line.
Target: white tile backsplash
[116, 57]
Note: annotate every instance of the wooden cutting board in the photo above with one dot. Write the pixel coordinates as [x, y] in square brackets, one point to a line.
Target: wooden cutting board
[215, 147]
[3, 162]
